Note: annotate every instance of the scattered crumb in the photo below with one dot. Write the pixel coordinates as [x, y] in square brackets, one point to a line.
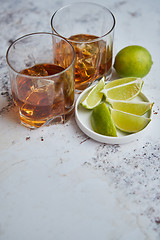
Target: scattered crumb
[157, 220]
[42, 139]
[134, 173]
[85, 140]
[155, 112]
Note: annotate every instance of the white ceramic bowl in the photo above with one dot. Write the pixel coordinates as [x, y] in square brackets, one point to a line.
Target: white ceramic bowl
[82, 117]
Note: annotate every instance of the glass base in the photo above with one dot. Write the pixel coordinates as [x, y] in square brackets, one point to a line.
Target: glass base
[33, 124]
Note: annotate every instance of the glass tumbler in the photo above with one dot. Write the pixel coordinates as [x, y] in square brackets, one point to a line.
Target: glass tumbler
[89, 27]
[41, 70]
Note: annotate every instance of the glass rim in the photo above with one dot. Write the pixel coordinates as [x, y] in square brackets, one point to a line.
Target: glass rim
[39, 33]
[90, 3]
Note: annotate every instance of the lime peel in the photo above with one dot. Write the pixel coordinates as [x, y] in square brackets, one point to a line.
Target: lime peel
[124, 91]
[119, 81]
[94, 97]
[128, 122]
[137, 108]
[101, 121]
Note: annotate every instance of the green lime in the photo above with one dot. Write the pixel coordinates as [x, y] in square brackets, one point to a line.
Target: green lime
[125, 91]
[117, 82]
[101, 121]
[133, 61]
[94, 96]
[137, 108]
[127, 122]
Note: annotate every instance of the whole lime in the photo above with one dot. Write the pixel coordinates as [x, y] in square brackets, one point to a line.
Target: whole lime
[133, 61]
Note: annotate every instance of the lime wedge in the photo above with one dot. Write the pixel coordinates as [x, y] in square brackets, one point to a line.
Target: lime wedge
[125, 91]
[138, 108]
[94, 96]
[120, 81]
[127, 122]
[101, 121]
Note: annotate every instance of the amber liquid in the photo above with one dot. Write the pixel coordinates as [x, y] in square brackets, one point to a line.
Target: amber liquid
[93, 59]
[40, 99]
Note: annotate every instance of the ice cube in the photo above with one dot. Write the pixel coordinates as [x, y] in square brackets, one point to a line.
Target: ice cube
[43, 83]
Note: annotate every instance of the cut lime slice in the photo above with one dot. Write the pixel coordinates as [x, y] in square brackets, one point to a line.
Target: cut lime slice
[138, 108]
[94, 96]
[125, 91]
[127, 122]
[101, 121]
[118, 82]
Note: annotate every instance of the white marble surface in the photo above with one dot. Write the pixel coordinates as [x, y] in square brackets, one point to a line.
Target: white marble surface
[55, 182]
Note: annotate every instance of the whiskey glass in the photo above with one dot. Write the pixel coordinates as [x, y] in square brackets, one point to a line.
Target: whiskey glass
[41, 70]
[89, 27]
